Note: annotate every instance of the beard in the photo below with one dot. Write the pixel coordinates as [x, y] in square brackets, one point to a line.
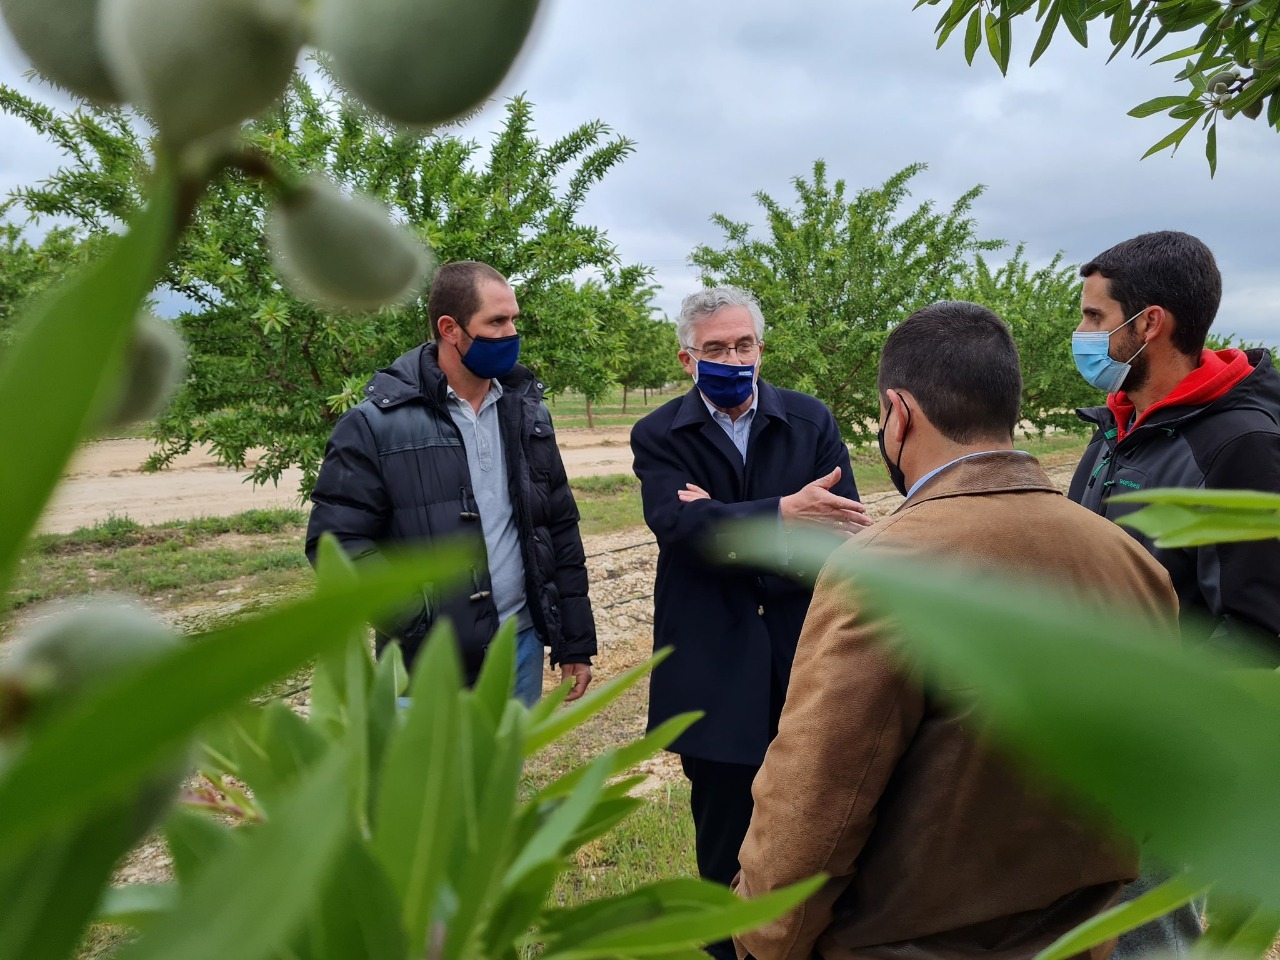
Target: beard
[1140, 369]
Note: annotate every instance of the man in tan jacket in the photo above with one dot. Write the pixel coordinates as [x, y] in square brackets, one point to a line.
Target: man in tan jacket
[935, 849]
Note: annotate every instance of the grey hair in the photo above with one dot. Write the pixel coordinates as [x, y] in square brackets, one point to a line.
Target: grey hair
[698, 306]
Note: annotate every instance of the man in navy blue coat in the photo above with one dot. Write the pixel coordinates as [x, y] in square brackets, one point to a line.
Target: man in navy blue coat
[732, 447]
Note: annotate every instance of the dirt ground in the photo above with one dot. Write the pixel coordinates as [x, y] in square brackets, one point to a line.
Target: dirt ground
[104, 479]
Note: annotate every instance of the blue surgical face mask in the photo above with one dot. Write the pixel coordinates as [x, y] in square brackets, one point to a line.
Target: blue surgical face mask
[492, 357]
[1093, 357]
[727, 385]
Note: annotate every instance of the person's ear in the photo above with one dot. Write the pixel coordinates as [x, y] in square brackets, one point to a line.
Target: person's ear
[1155, 322]
[896, 430]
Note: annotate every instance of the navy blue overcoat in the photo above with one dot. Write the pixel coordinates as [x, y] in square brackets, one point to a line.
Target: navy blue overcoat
[734, 629]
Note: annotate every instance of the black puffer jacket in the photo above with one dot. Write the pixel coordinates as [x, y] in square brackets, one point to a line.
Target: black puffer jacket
[395, 471]
[1232, 443]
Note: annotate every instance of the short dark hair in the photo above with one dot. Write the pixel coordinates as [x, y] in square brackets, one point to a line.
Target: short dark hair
[960, 363]
[1164, 269]
[455, 292]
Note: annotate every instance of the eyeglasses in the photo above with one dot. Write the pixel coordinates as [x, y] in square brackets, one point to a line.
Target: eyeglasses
[746, 349]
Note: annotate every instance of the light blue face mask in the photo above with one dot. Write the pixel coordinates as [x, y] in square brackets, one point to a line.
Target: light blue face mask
[1094, 361]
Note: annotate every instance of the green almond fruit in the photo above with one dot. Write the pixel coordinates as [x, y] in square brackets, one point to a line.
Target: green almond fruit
[343, 251]
[422, 62]
[198, 67]
[154, 367]
[60, 37]
[1252, 110]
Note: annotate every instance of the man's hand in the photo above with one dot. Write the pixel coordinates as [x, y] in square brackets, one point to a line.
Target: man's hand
[580, 674]
[692, 492]
[816, 503]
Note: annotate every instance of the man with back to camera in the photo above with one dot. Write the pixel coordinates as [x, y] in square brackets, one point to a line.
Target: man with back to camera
[452, 439]
[732, 447]
[935, 848]
[1178, 415]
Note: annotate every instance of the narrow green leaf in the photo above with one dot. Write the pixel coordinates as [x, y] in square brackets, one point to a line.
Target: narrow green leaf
[991, 28]
[263, 887]
[664, 898]
[195, 841]
[551, 729]
[100, 747]
[1273, 107]
[549, 841]
[487, 854]
[1046, 33]
[382, 718]
[1072, 18]
[358, 916]
[1211, 149]
[625, 758]
[136, 904]
[498, 674]
[973, 36]
[80, 331]
[1173, 139]
[1124, 917]
[49, 893]
[420, 795]
[1005, 29]
[691, 929]
[1156, 105]
[1239, 928]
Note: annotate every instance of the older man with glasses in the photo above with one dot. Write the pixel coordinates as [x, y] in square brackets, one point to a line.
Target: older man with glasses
[733, 447]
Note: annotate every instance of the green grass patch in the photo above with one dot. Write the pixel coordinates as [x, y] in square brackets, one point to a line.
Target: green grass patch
[608, 504]
[178, 562]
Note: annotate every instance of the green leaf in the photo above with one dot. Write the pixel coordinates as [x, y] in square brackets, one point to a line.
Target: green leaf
[420, 795]
[100, 747]
[264, 887]
[1211, 149]
[195, 841]
[1046, 33]
[484, 853]
[548, 843]
[548, 731]
[1124, 917]
[80, 331]
[382, 718]
[664, 898]
[49, 893]
[1173, 139]
[973, 36]
[498, 674]
[994, 39]
[624, 758]
[1072, 17]
[692, 929]
[358, 917]
[136, 904]
[1238, 499]
[1157, 105]
[1273, 108]
[1239, 927]
[1173, 526]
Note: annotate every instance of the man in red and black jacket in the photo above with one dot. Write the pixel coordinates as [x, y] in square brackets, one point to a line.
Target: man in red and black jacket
[1178, 415]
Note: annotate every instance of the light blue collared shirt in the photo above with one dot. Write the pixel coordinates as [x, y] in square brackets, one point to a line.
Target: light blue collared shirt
[739, 430]
[936, 470]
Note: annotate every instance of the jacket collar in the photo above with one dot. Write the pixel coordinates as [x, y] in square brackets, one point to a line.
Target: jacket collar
[998, 472]
[693, 410]
[416, 375]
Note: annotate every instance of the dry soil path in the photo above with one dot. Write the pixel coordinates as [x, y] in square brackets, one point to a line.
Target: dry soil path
[104, 480]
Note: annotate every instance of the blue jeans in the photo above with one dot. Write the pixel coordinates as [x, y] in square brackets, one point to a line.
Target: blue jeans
[529, 657]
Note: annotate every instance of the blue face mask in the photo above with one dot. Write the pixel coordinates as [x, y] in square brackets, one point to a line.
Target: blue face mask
[1093, 358]
[492, 357]
[727, 385]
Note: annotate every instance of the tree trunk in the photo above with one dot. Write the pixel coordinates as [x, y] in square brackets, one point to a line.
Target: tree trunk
[591, 420]
[624, 398]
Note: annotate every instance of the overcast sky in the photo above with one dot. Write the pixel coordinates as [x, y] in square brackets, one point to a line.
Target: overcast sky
[727, 98]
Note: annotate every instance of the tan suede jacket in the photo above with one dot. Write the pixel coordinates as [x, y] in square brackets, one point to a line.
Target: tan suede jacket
[934, 848]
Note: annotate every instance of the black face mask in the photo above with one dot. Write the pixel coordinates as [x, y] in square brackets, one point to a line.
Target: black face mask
[895, 469]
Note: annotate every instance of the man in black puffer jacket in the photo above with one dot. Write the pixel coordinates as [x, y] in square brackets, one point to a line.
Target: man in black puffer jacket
[454, 438]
